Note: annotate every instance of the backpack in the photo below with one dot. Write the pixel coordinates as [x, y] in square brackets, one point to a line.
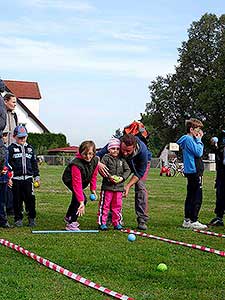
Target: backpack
[138, 129]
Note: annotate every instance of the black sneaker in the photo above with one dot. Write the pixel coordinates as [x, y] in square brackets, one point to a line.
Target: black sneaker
[142, 226]
[19, 223]
[32, 222]
[6, 225]
[216, 222]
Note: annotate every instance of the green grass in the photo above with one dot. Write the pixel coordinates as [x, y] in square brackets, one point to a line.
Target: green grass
[108, 258]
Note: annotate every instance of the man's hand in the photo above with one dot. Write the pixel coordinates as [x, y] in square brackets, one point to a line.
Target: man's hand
[103, 170]
[126, 191]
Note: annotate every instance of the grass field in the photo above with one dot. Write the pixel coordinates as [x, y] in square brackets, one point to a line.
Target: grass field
[108, 258]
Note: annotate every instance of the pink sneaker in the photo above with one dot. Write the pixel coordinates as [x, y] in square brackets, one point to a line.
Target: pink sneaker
[73, 226]
[67, 219]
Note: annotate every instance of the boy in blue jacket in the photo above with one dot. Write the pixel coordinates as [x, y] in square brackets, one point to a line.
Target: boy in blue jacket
[192, 148]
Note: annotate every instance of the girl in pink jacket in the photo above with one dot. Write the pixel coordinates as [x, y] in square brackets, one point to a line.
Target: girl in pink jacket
[81, 172]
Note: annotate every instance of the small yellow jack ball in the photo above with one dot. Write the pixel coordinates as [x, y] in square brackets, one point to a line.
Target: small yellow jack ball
[36, 184]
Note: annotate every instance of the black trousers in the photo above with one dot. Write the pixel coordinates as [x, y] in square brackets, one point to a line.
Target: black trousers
[73, 208]
[9, 201]
[220, 195]
[23, 192]
[193, 200]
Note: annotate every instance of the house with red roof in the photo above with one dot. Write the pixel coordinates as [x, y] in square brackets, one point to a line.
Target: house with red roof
[28, 103]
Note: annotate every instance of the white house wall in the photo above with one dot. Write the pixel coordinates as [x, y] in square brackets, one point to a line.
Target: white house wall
[32, 105]
[23, 118]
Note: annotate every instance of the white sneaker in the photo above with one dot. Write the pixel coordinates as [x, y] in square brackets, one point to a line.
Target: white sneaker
[186, 223]
[198, 225]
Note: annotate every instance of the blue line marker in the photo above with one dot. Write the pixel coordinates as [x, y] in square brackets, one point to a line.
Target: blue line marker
[64, 231]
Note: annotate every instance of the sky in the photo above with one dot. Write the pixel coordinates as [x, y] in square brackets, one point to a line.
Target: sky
[94, 59]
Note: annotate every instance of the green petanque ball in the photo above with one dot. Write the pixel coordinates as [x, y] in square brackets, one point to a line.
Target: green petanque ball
[162, 267]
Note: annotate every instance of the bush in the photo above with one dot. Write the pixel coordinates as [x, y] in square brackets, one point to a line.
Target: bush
[44, 141]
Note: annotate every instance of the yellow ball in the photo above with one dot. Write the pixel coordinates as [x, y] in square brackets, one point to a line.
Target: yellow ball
[162, 267]
[36, 184]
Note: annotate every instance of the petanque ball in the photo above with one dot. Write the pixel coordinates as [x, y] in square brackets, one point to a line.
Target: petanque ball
[131, 237]
[36, 184]
[162, 267]
[92, 197]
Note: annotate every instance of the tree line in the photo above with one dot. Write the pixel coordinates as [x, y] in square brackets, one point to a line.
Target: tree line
[196, 89]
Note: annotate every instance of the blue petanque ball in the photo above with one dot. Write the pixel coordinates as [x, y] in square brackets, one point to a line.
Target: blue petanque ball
[92, 197]
[131, 237]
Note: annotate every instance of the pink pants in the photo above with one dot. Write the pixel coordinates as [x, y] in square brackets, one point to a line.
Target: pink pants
[110, 200]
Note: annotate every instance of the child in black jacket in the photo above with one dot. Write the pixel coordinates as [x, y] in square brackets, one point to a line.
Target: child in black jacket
[25, 168]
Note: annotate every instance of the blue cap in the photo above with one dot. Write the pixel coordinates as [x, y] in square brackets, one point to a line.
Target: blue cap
[20, 131]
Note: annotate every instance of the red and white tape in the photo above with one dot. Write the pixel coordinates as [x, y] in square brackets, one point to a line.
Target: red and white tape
[63, 271]
[193, 246]
[209, 233]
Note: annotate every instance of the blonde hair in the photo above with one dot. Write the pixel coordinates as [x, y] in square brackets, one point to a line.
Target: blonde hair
[85, 146]
[193, 123]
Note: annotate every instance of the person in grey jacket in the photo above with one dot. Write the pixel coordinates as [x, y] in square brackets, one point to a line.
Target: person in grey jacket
[11, 119]
[113, 186]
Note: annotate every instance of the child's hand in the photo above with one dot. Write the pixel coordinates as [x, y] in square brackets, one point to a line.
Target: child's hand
[10, 182]
[198, 133]
[37, 181]
[81, 209]
[4, 170]
[116, 179]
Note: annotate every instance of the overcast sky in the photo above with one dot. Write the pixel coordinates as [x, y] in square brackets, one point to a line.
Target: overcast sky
[94, 60]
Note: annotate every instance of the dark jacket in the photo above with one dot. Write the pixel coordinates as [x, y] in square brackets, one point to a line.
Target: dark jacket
[219, 155]
[5, 178]
[22, 160]
[86, 168]
[137, 162]
[2, 115]
[117, 166]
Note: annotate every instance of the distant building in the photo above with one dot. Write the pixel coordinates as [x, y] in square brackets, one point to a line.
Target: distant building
[28, 100]
[64, 150]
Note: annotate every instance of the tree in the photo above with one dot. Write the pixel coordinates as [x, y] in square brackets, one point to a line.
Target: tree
[196, 89]
[44, 141]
